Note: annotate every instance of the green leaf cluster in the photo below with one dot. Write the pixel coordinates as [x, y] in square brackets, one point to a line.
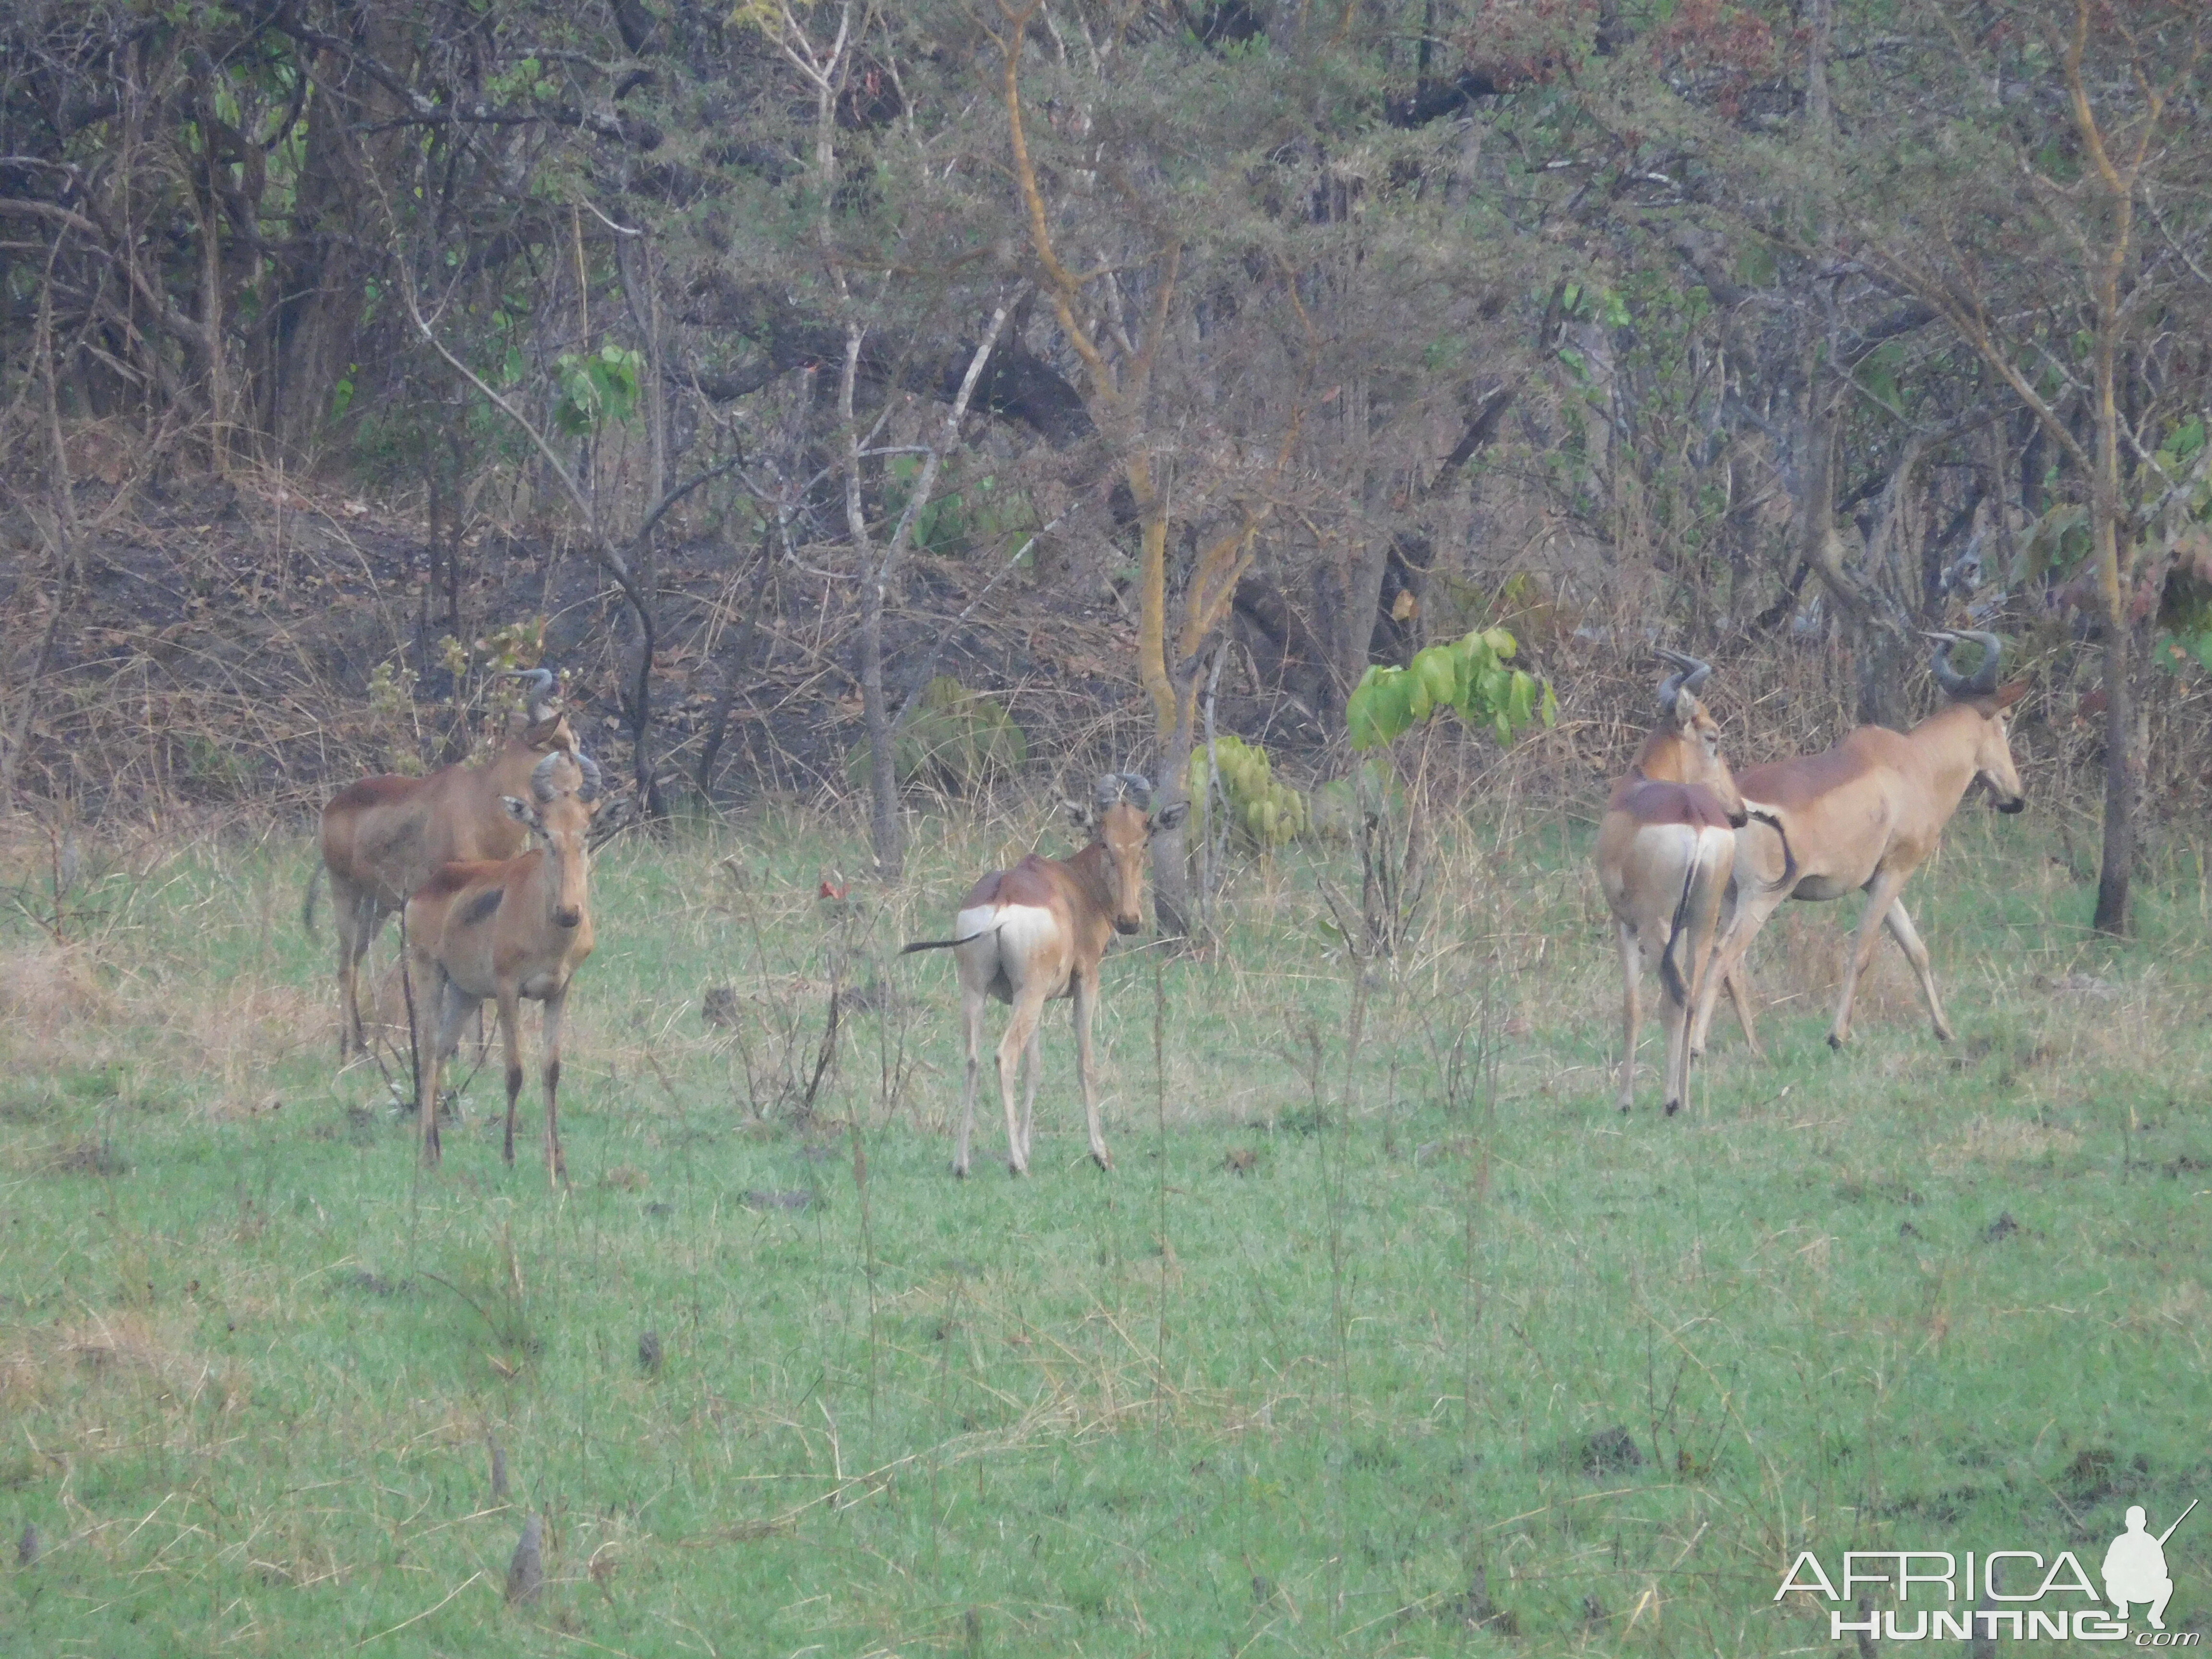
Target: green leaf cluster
[1469, 676]
[596, 387]
[1260, 809]
[955, 736]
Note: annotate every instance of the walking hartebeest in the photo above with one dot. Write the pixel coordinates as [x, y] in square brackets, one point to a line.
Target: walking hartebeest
[509, 928]
[1865, 815]
[1036, 932]
[384, 836]
[1664, 851]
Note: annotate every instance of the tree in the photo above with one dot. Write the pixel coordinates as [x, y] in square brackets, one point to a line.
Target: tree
[2046, 270]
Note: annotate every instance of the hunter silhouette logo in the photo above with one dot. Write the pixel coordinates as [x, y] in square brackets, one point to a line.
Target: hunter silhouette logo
[2134, 1567]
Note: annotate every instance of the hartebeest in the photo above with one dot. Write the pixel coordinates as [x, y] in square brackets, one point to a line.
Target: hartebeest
[1664, 851]
[509, 928]
[1865, 815]
[1036, 932]
[384, 836]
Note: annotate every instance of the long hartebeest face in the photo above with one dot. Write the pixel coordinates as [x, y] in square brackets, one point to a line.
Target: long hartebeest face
[1864, 816]
[509, 929]
[384, 836]
[1037, 931]
[1664, 852]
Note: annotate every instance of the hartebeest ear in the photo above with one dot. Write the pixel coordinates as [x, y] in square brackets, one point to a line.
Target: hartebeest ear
[521, 811]
[2008, 694]
[1078, 813]
[1169, 818]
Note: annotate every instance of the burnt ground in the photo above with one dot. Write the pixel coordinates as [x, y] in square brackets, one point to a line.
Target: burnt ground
[248, 641]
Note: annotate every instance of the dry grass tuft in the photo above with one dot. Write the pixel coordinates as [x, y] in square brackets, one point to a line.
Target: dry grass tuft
[125, 1345]
[2012, 1141]
[44, 987]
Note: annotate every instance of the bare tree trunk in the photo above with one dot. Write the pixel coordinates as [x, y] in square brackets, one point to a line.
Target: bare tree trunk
[886, 834]
[2126, 766]
[1171, 900]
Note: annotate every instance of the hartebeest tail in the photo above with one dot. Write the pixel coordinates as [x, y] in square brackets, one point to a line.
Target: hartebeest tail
[1664, 853]
[384, 836]
[1035, 933]
[508, 929]
[1865, 815]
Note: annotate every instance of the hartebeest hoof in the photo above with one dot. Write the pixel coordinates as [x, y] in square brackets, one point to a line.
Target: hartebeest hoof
[1672, 1107]
[1102, 1162]
[1835, 1042]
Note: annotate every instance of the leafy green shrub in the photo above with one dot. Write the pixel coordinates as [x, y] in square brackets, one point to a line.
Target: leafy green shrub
[954, 735]
[1468, 675]
[596, 387]
[1266, 813]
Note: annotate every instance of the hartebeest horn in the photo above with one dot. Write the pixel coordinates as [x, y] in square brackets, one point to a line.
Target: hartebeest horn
[541, 778]
[588, 791]
[539, 693]
[1114, 788]
[1983, 680]
[1690, 675]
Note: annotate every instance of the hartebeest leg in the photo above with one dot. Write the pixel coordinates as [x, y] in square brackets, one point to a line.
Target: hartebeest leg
[450, 1010]
[971, 1016]
[1697, 927]
[1631, 1009]
[1882, 893]
[510, 1026]
[1086, 1003]
[1021, 1026]
[1738, 991]
[356, 916]
[1908, 940]
[1752, 911]
[1032, 1075]
[556, 1166]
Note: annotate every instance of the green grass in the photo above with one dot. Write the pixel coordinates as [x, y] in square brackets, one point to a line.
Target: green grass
[1385, 1326]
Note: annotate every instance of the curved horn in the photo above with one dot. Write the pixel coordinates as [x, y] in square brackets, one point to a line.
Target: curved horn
[1690, 675]
[1979, 683]
[1984, 680]
[542, 684]
[541, 778]
[589, 790]
[1106, 790]
[1139, 788]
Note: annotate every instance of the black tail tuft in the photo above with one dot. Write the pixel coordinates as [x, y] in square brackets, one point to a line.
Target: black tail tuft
[939, 944]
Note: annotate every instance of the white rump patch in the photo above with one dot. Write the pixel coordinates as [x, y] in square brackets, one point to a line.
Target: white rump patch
[1011, 934]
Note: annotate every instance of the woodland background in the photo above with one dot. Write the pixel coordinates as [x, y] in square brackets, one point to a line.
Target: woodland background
[852, 398]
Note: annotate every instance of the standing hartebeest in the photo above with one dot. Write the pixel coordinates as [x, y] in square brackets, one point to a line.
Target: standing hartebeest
[1865, 815]
[509, 928]
[384, 836]
[1036, 932]
[1664, 851]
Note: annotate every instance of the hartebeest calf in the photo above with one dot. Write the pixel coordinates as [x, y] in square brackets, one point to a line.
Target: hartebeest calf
[509, 928]
[384, 836]
[1036, 932]
[1664, 852]
[1864, 816]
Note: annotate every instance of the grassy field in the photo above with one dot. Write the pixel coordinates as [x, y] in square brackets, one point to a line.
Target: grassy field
[1387, 1335]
